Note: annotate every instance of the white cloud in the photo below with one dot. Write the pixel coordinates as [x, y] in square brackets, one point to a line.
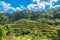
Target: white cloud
[53, 1]
[12, 8]
[22, 7]
[56, 6]
[31, 6]
[7, 6]
[18, 8]
[35, 6]
[41, 4]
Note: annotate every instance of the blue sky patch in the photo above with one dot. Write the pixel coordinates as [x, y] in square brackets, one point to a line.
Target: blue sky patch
[13, 5]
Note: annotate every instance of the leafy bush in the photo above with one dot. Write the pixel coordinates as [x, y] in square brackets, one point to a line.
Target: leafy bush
[3, 31]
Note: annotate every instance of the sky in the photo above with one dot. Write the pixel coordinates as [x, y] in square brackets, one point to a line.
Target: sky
[13, 5]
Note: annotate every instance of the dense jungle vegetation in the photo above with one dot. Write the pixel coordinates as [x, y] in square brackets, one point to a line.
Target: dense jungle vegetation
[30, 25]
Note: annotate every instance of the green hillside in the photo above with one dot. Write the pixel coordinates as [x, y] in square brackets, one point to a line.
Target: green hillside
[30, 25]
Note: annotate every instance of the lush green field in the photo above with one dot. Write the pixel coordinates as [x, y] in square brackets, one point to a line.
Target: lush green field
[30, 25]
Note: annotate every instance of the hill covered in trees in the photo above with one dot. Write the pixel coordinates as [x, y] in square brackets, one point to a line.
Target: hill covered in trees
[30, 25]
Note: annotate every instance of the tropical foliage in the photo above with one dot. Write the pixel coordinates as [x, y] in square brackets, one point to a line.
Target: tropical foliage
[30, 25]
